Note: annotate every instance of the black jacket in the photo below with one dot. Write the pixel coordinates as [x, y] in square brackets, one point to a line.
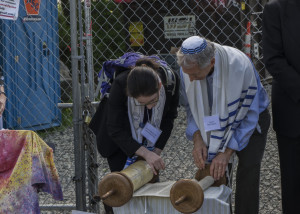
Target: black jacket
[118, 132]
[281, 49]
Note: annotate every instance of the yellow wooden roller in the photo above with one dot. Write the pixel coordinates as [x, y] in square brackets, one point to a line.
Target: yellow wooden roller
[117, 188]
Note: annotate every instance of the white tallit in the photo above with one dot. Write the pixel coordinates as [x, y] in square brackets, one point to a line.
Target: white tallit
[234, 87]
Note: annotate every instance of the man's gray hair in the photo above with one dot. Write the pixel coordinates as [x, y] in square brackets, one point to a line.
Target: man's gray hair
[201, 59]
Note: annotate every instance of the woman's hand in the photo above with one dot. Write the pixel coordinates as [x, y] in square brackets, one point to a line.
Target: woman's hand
[155, 161]
[157, 151]
[199, 151]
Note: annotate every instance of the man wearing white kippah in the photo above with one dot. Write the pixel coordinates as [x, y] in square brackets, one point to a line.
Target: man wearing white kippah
[227, 112]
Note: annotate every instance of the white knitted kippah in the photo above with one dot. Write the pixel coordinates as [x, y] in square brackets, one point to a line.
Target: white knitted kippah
[193, 45]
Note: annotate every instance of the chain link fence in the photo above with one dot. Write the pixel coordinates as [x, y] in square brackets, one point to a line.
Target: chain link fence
[159, 27]
[66, 46]
[35, 61]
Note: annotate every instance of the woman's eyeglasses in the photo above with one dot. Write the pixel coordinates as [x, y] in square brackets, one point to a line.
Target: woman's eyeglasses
[155, 100]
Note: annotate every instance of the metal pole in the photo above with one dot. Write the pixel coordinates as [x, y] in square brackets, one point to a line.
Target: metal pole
[82, 65]
[83, 94]
[243, 21]
[255, 18]
[89, 48]
[77, 116]
[92, 170]
[70, 105]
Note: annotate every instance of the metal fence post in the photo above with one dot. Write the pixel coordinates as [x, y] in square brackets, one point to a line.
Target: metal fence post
[77, 116]
[92, 166]
[89, 48]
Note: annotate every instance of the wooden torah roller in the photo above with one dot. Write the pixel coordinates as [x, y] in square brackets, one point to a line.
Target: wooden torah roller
[187, 195]
[117, 188]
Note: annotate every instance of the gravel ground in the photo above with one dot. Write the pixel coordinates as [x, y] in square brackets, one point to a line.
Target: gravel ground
[179, 164]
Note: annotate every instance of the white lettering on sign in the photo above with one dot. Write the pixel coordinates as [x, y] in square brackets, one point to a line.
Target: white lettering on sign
[179, 26]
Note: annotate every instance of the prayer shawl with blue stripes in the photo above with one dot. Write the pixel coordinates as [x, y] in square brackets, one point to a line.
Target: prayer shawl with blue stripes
[234, 87]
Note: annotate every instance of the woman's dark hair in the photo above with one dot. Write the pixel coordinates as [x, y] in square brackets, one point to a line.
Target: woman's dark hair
[143, 79]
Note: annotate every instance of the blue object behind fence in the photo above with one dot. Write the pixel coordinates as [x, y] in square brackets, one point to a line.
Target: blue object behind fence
[30, 63]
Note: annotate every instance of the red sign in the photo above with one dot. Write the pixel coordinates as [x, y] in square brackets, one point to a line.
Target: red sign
[32, 7]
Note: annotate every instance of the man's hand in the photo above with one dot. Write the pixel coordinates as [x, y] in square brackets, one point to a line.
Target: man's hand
[219, 164]
[199, 151]
[154, 160]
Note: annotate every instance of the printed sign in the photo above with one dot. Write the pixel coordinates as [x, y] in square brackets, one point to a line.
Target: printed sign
[32, 8]
[176, 27]
[9, 9]
[136, 30]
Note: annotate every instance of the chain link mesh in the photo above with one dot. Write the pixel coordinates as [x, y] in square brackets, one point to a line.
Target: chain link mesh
[37, 65]
[153, 27]
[35, 61]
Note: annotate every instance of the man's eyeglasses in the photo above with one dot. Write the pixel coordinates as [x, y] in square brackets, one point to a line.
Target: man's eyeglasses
[155, 100]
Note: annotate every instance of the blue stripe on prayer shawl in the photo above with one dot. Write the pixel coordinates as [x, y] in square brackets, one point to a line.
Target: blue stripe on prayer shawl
[237, 100]
[219, 138]
[222, 144]
[246, 106]
[222, 120]
[249, 97]
[232, 113]
[250, 87]
[241, 100]
[222, 129]
[211, 155]
[216, 137]
[253, 87]
[237, 121]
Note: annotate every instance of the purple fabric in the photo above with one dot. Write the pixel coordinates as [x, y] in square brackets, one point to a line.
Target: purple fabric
[29, 169]
[128, 60]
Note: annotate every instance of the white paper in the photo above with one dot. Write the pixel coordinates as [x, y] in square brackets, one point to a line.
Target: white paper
[9, 9]
[151, 133]
[211, 123]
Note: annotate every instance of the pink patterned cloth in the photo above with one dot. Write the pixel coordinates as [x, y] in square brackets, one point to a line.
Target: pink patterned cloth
[26, 168]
